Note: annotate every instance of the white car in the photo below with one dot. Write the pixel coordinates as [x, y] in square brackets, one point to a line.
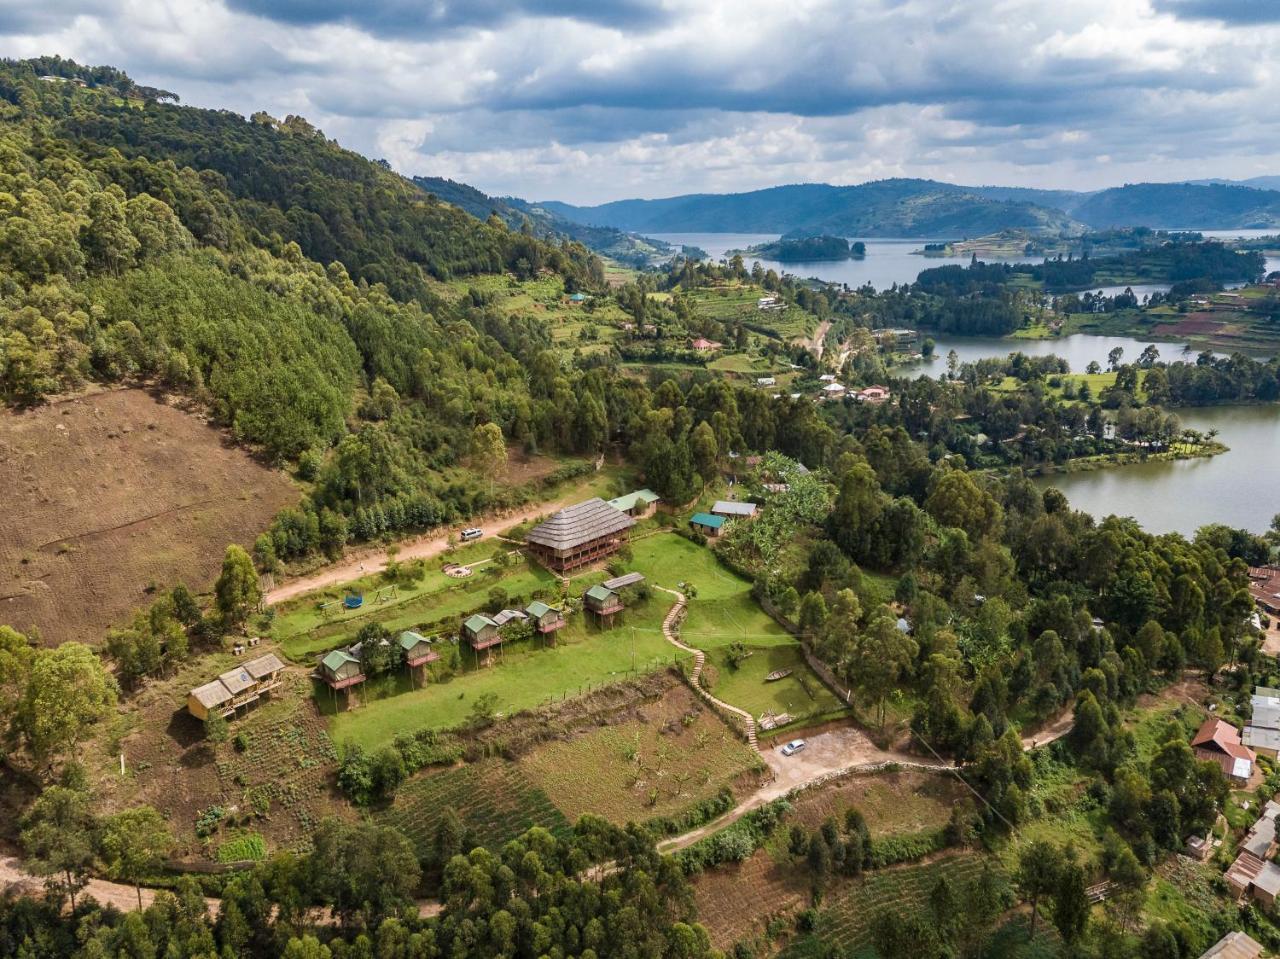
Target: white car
[475, 532]
[793, 747]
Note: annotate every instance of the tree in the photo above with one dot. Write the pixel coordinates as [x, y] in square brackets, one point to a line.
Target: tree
[134, 845]
[878, 658]
[237, 591]
[705, 451]
[363, 872]
[216, 728]
[488, 450]
[1070, 902]
[1037, 876]
[67, 691]
[57, 836]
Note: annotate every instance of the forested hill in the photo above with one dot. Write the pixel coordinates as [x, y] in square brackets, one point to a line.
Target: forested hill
[927, 208]
[638, 251]
[294, 289]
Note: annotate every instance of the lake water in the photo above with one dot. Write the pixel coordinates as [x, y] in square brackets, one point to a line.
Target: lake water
[889, 261]
[1078, 349]
[1240, 488]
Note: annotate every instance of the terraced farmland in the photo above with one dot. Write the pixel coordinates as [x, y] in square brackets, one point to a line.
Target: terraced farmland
[844, 925]
[491, 797]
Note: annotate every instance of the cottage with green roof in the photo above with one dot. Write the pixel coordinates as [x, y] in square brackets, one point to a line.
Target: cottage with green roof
[637, 505]
[603, 602]
[546, 619]
[417, 649]
[340, 670]
[706, 524]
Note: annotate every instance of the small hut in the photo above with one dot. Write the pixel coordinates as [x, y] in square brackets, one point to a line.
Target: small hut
[637, 505]
[482, 633]
[339, 670]
[603, 602]
[418, 651]
[546, 619]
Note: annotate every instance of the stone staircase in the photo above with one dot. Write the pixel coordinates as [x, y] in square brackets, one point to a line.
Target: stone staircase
[671, 630]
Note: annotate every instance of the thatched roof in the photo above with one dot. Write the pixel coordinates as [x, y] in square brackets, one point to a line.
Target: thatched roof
[264, 666]
[211, 695]
[580, 524]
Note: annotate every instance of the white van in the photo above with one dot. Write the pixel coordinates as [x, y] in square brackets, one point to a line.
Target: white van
[474, 532]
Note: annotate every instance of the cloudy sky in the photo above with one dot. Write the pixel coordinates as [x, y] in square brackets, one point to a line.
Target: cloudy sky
[591, 100]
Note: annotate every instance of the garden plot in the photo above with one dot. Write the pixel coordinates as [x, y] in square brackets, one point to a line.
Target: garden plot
[666, 757]
[492, 797]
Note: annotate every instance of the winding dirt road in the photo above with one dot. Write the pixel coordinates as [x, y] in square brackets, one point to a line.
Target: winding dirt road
[364, 562]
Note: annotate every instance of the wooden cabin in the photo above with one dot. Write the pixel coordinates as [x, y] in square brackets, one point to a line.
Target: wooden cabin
[340, 670]
[637, 505]
[579, 535]
[481, 631]
[603, 602]
[417, 649]
[236, 687]
[546, 619]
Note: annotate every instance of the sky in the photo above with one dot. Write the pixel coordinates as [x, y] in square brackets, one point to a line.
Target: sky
[589, 100]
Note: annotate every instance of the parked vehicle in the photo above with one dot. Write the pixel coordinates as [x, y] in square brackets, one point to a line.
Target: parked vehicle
[474, 532]
[793, 747]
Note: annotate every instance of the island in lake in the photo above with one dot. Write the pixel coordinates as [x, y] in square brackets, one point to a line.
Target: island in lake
[807, 249]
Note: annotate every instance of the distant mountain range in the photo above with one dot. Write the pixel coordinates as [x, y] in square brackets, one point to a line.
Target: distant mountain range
[624, 247]
[929, 208]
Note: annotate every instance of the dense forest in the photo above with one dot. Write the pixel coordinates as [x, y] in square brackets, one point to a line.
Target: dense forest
[806, 248]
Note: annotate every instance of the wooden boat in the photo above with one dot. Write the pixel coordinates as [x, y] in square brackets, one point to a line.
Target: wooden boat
[777, 674]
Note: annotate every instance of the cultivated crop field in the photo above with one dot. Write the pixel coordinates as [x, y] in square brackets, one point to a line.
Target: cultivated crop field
[672, 754]
[492, 797]
[904, 801]
[736, 901]
[118, 492]
[844, 922]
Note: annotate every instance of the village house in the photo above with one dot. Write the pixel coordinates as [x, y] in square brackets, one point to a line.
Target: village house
[872, 394]
[1262, 732]
[1264, 587]
[833, 391]
[1218, 741]
[1234, 945]
[706, 524]
[1253, 874]
[703, 345]
[546, 619]
[770, 303]
[766, 381]
[579, 535]
[638, 504]
[731, 509]
[235, 688]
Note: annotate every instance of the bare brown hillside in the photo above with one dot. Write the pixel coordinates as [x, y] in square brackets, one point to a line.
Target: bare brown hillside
[107, 493]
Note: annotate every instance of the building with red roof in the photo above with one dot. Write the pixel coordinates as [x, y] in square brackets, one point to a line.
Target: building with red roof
[1219, 742]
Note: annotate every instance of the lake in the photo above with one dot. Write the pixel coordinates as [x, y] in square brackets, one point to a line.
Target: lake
[1240, 488]
[889, 260]
[1078, 349]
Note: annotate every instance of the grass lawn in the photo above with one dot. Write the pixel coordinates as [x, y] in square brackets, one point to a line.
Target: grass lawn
[722, 613]
[673, 755]
[584, 657]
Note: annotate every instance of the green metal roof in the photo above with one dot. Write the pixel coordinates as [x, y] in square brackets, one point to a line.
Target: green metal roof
[338, 658]
[410, 639]
[477, 621]
[537, 609]
[630, 501]
[599, 593]
[706, 519]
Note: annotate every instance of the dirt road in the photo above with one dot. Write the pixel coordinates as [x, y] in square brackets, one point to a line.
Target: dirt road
[840, 750]
[364, 562]
[125, 898]
[818, 344]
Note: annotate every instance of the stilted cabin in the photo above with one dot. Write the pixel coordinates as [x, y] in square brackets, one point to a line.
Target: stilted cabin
[579, 535]
[340, 670]
[603, 602]
[236, 687]
[482, 633]
[418, 650]
[546, 619]
[637, 505]
[706, 524]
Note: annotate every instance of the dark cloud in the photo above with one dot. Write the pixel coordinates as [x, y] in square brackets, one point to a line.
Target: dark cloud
[423, 18]
[1228, 11]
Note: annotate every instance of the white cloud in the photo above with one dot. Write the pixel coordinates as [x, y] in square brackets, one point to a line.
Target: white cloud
[560, 98]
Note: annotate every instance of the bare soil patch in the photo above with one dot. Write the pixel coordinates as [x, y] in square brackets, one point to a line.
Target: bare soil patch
[110, 493]
[904, 801]
[1191, 324]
